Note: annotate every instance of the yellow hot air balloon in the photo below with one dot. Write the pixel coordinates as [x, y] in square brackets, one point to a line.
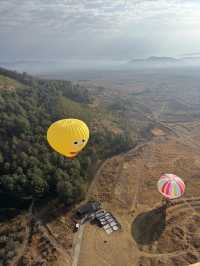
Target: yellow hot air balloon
[68, 136]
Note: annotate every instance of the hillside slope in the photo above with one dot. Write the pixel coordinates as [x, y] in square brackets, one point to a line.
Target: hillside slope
[28, 166]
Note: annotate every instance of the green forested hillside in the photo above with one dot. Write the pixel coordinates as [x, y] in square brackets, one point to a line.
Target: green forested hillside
[28, 166]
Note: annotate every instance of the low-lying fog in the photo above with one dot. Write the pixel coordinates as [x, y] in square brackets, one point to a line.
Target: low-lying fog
[104, 69]
[38, 67]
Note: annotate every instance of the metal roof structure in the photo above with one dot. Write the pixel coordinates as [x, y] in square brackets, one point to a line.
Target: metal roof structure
[107, 221]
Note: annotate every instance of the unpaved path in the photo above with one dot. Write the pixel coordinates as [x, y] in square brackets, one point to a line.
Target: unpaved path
[77, 245]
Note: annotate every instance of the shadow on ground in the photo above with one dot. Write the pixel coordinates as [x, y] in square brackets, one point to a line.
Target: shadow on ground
[148, 227]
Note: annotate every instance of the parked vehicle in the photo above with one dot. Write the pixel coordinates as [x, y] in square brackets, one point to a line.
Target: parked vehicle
[76, 227]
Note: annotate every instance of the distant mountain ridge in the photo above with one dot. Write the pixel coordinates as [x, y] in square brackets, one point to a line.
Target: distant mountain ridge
[154, 58]
[165, 59]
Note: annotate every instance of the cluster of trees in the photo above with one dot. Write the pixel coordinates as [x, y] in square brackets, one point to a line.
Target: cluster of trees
[28, 166]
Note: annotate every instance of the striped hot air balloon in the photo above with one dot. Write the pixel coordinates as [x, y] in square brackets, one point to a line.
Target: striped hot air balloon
[171, 186]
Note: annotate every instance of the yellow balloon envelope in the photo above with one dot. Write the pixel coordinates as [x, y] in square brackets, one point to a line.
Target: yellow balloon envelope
[68, 136]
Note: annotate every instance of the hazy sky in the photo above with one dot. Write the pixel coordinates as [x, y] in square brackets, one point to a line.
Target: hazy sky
[111, 29]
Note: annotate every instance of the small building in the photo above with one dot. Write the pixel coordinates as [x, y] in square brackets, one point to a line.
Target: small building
[87, 209]
[107, 221]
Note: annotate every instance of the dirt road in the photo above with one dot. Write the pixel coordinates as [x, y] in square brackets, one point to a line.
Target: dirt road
[77, 245]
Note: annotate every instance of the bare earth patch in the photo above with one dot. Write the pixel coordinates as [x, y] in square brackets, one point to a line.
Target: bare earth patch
[157, 132]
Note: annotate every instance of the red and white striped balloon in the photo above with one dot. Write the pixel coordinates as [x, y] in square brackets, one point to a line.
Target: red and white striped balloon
[171, 186]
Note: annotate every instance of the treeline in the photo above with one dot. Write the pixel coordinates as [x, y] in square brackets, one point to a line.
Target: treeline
[73, 91]
[28, 166]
